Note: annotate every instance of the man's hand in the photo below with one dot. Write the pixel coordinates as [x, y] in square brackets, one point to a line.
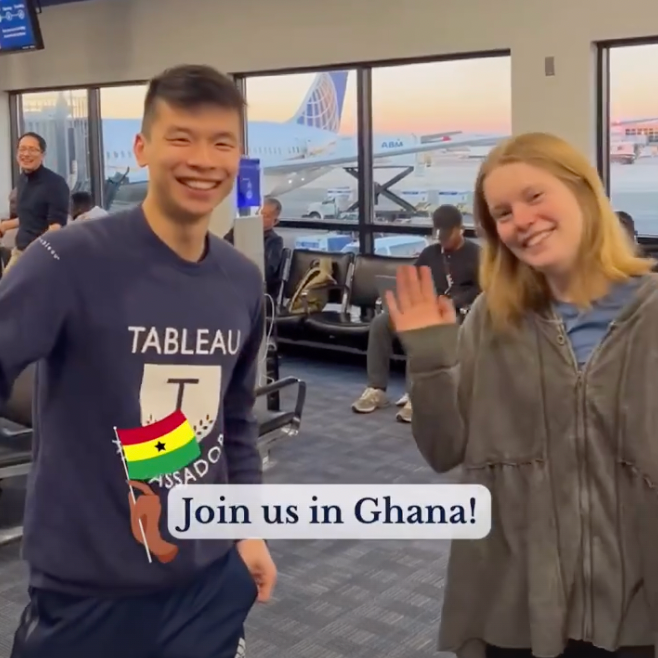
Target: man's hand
[54, 227]
[256, 556]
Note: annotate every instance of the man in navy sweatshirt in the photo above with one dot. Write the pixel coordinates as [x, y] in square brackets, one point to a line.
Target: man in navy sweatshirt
[140, 318]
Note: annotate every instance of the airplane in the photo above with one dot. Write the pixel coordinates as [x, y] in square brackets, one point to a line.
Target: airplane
[293, 153]
[627, 137]
[303, 148]
[309, 145]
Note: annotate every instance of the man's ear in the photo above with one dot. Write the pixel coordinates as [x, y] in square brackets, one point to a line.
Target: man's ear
[140, 150]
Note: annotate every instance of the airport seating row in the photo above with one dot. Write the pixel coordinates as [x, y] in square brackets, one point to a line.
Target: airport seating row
[16, 430]
[353, 301]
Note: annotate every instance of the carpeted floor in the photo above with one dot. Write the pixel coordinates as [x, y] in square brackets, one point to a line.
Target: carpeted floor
[334, 599]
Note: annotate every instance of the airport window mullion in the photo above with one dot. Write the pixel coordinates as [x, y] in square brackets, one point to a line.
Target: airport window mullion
[603, 114]
[15, 130]
[95, 145]
[365, 182]
[241, 84]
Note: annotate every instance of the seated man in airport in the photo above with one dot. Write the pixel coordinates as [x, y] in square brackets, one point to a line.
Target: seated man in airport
[628, 223]
[13, 204]
[454, 263]
[83, 207]
[10, 221]
[273, 244]
[8, 237]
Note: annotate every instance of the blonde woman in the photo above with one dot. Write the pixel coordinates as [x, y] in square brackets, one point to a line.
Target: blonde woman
[547, 396]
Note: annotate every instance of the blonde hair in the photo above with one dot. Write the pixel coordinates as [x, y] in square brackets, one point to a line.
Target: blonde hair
[512, 287]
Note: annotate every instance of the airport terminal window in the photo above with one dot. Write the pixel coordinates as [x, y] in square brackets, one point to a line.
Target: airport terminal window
[303, 128]
[61, 118]
[319, 239]
[400, 246]
[121, 111]
[634, 134]
[442, 118]
[386, 244]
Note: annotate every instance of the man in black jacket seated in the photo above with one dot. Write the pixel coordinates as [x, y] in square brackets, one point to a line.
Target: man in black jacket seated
[454, 262]
[272, 244]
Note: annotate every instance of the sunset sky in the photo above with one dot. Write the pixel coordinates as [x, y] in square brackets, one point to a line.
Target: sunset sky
[420, 98]
[632, 92]
[470, 95]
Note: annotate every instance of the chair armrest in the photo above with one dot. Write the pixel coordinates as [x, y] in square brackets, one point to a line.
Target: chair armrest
[329, 287]
[287, 382]
[23, 433]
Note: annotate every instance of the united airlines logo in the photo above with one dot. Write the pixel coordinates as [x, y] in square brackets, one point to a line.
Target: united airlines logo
[322, 106]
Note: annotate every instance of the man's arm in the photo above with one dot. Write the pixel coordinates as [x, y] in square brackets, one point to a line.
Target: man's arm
[466, 295]
[59, 204]
[240, 424]
[469, 289]
[35, 299]
[8, 225]
[424, 257]
[273, 258]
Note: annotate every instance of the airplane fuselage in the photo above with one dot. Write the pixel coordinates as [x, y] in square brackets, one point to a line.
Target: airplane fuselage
[273, 144]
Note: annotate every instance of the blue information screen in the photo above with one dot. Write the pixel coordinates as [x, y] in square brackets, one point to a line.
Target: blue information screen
[16, 29]
[248, 186]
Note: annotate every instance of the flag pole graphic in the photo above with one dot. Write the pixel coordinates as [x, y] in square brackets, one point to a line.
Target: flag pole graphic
[132, 494]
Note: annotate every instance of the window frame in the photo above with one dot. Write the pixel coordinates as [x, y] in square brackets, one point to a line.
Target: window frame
[365, 227]
[602, 119]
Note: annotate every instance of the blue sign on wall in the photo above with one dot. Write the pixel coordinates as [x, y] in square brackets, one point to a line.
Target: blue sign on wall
[248, 188]
[16, 29]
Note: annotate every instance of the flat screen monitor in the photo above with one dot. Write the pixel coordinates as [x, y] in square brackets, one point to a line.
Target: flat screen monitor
[19, 27]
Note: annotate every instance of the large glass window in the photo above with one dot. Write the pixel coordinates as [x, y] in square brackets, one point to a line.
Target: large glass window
[385, 244]
[61, 118]
[433, 124]
[303, 128]
[121, 110]
[634, 134]
[318, 239]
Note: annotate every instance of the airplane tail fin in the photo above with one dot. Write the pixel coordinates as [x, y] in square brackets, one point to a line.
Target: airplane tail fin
[323, 105]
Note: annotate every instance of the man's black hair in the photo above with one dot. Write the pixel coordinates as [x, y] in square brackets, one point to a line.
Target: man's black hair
[447, 218]
[272, 201]
[40, 140]
[191, 86]
[82, 198]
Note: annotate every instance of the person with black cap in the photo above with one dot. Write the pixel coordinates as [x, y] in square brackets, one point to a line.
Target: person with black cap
[454, 263]
[628, 223]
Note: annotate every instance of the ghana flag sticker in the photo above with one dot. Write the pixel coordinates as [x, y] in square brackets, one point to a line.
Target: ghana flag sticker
[160, 448]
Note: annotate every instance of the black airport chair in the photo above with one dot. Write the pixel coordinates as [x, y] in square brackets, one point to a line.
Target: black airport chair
[350, 327]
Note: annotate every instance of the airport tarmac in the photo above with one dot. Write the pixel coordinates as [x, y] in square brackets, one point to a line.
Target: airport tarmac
[634, 188]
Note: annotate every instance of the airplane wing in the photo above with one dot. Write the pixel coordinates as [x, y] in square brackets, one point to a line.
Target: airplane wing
[632, 122]
[323, 161]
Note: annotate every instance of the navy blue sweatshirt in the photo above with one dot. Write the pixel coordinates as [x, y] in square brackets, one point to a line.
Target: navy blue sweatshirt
[125, 333]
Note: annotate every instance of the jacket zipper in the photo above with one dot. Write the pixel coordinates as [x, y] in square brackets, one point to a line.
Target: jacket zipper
[583, 480]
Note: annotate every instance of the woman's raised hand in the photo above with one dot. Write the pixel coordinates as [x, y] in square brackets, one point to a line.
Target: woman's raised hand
[415, 304]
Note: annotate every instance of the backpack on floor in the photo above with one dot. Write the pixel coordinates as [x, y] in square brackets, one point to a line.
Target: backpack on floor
[316, 284]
